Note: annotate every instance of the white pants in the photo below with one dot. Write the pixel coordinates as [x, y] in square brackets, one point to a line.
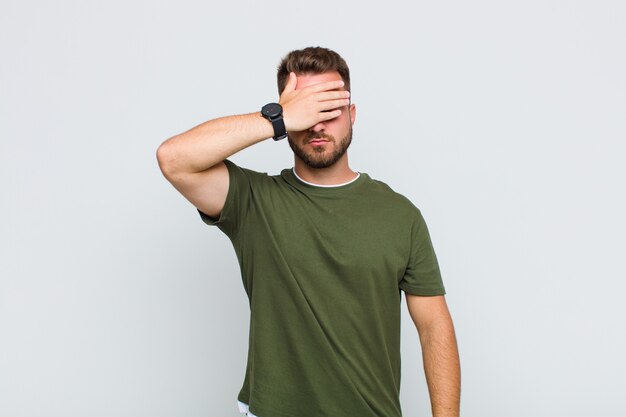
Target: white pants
[243, 409]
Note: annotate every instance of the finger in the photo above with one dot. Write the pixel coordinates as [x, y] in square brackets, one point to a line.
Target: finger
[331, 95]
[327, 115]
[328, 85]
[333, 104]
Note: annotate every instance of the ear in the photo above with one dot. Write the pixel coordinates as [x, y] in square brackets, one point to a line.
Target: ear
[352, 113]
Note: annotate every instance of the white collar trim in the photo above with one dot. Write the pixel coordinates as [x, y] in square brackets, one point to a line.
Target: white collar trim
[325, 186]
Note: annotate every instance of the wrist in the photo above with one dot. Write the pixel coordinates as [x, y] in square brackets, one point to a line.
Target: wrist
[268, 129]
[273, 112]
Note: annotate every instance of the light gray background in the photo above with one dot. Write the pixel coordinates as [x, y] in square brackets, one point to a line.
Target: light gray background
[504, 122]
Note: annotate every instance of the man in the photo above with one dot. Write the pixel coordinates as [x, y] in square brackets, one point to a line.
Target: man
[324, 252]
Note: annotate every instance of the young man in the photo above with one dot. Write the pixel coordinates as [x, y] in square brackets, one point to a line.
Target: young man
[324, 253]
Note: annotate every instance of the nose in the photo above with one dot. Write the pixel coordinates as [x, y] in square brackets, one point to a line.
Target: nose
[319, 127]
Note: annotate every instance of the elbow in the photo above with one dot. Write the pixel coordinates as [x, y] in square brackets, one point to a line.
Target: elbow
[165, 158]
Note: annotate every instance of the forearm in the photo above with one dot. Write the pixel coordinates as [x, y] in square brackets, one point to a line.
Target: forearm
[209, 143]
[442, 368]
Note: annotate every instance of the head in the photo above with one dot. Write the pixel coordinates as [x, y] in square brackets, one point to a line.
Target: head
[315, 65]
[312, 60]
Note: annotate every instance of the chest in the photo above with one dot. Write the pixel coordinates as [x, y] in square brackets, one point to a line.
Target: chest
[356, 238]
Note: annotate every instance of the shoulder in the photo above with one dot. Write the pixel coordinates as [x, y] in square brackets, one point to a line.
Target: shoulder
[240, 173]
[393, 198]
[232, 166]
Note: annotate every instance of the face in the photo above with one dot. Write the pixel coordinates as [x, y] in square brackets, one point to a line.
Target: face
[325, 143]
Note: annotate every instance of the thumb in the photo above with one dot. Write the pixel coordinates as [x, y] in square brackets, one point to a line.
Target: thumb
[291, 83]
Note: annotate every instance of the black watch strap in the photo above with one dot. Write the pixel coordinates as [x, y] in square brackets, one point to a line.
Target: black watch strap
[280, 132]
[274, 113]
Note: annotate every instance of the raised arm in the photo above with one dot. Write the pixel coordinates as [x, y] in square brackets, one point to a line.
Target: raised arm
[440, 352]
[193, 160]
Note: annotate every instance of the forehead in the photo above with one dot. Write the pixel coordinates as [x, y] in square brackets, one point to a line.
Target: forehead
[305, 80]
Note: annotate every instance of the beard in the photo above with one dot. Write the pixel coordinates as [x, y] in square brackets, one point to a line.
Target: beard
[319, 157]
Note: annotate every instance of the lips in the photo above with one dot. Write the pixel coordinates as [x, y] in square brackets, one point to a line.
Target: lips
[318, 140]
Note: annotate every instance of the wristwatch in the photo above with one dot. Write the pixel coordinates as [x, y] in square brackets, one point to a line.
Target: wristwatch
[274, 113]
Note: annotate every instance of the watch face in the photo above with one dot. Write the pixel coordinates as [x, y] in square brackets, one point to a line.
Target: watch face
[272, 110]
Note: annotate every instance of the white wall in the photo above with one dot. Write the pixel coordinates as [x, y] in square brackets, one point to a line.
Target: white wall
[503, 121]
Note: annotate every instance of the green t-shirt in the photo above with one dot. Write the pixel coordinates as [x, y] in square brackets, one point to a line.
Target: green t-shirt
[323, 268]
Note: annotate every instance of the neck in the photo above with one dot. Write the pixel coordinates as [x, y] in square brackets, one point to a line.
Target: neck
[338, 173]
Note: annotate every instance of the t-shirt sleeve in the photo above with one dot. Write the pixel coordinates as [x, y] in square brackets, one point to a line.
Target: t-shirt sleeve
[422, 275]
[237, 201]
